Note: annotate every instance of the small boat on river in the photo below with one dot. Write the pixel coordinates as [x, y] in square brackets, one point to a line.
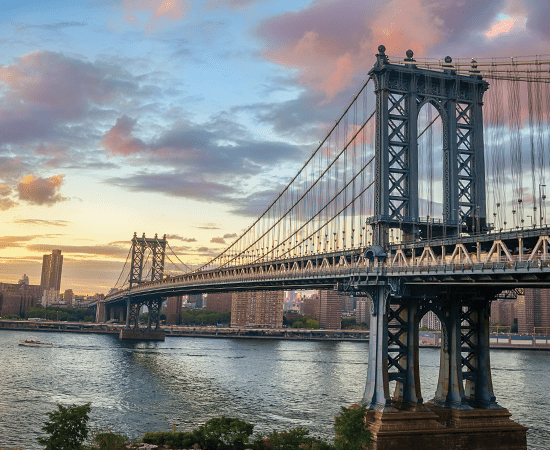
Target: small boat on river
[34, 343]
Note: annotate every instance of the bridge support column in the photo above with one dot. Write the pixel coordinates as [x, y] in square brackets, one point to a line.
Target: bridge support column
[479, 384]
[450, 387]
[377, 392]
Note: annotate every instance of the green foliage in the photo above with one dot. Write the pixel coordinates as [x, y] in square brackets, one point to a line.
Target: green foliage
[295, 439]
[225, 433]
[67, 428]
[200, 317]
[312, 324]
[351, 429]
[51, 313]
[178, 439]
[348, 323]
[298, 324]
[105, 439]
[11, 317]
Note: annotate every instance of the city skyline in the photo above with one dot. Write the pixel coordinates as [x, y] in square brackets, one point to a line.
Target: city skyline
[187, 118]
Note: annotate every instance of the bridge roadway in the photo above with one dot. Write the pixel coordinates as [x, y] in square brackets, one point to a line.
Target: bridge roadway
[510, 259]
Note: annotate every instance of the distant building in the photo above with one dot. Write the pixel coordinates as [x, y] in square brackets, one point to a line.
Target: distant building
[52, 266]
[219, 302]
[330, 310]
[68, 297]
[430, 321]
[24, 279]
[258, 308]
[503, 311]
[173, 310]
[17, 298]
[362, 310]
[533, 310]
[312, 306]
[49, 297]
[195, 299]
[348, 303]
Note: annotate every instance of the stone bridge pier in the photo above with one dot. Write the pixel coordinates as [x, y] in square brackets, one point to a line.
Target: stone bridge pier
[463, 412]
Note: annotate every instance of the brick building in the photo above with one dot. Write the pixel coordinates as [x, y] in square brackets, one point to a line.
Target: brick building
[312, 306]
[330, 310]
[503, 311]
[219, 302]
[173, 310]
[17, 298]
[533, 310]
[258, 308]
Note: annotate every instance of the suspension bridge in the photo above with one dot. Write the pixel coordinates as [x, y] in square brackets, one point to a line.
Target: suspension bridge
[427, 194]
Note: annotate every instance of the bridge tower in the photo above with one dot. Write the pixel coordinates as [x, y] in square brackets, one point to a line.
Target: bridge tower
[142, 249]
[464, 395]
[401, 91]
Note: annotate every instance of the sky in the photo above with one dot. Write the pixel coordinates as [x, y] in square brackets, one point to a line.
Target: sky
[187, 118]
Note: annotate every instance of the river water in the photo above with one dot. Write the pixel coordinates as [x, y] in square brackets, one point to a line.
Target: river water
[273, 384]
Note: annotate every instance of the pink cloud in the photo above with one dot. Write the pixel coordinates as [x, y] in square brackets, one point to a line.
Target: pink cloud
[158, 12]
[503, 26]
[41, 191]
[331, 44]
[119, 140]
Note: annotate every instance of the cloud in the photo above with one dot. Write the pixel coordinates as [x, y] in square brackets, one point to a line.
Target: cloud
[52, 26]
[55, 223]
[157, 12]
[7, 203]
[230, 4]
[118, 140]
[217, 240]
[15, 241]
[41, 191]
[179, 238]
[94, 250]
[502, 26]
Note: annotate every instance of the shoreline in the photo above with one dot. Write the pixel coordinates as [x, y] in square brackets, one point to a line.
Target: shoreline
[227, 333]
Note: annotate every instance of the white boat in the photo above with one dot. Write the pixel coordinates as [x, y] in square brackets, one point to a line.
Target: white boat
[34, 343]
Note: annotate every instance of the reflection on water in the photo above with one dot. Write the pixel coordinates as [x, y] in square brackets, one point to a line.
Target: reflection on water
[142, 387]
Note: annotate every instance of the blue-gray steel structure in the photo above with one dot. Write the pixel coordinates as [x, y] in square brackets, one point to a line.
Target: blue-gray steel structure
[454, 267]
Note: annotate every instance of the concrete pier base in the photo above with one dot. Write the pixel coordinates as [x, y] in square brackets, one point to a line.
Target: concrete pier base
[443, 428]
[141, 334]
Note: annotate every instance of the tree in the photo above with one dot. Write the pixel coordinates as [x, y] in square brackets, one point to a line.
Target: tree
[351, 429]
[312, 324]
[67, 428]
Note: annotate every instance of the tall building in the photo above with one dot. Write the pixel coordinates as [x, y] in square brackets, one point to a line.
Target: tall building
[533, 310]
[348, 303]
[219, 302]
[503, 311]
[330, 310]
[68, 297]
[430, 321]
[173, 310]
[312, 306]
[362, 310]
[52, 266]
[258, 308]
[196, 299]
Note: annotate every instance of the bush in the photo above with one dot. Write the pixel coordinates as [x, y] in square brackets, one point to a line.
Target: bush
[179, 439]
[224, 433]
[67, 427]
[351, 429]
[295, 439]
[107, 440]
